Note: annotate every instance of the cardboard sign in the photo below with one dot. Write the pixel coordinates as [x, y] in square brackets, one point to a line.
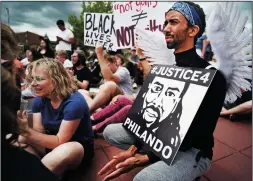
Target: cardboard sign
[99, 27]
[166, 106]
[149, 15]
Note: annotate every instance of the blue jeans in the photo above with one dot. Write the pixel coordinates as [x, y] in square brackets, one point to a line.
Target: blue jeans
[183, 168]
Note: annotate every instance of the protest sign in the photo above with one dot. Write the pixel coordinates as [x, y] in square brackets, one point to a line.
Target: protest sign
[149, 15]
[99, 27]
[166, 106]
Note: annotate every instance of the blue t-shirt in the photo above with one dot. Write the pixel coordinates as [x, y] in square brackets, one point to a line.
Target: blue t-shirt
[199, 43]
[71, 108]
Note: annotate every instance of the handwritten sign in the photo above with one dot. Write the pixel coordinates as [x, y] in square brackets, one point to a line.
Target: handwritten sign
[149, 15]
[99, 27]
[166, 106]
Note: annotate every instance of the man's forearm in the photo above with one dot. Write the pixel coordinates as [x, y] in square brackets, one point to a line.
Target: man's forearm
[67, 41]
[83, 85]
[146, 68]
[105, 70]
[243, 108]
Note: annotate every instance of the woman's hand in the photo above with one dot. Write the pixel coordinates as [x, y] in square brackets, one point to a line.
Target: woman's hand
[23, 123]
[115, 99]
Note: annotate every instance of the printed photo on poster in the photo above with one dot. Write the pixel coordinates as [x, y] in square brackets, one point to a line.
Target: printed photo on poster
[165, 107]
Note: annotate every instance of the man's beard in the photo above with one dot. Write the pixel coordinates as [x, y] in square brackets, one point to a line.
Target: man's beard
[159, 114]
[171, 45]
[77, 63]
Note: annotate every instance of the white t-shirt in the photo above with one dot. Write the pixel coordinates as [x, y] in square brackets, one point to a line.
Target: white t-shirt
[25, 61]
[65, 35]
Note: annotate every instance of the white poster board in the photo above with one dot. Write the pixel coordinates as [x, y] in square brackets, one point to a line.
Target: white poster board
[99, 27]
[148, 15]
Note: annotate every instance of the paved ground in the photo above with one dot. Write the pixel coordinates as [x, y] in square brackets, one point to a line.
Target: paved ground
[232, 159]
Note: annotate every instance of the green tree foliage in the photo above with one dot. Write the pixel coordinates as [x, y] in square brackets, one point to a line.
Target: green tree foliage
[89, 7]
[26, 47]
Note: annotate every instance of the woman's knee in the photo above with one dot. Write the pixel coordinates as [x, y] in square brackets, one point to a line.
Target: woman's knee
[109, 86]
[69, 152]
[75, 150]
[123, 101]
[127, 108]
[64, 157]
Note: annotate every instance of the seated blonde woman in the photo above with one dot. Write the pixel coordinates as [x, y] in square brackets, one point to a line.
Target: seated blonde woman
[62, 132]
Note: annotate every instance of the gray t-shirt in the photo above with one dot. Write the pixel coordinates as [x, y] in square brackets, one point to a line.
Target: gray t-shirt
[125, 83]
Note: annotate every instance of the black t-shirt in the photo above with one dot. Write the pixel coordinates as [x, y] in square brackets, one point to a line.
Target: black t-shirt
[83, 74]
[18, 164]
[49, 53]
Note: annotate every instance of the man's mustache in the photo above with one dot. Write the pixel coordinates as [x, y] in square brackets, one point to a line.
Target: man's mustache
[155, 109]
[168, 34]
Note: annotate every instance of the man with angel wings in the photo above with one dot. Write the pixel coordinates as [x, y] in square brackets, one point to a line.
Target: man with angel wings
[185, 22]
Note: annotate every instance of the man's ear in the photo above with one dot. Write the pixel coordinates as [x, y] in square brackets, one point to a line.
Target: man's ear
[193, 31]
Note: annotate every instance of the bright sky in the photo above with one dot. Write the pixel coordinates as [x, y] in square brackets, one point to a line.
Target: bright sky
[41, 17]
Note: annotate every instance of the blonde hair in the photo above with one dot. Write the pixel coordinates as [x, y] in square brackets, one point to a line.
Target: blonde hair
[62, 53]
[64, 85]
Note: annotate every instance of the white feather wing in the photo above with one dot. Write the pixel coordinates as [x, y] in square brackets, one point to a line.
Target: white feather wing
[154, 46]
[232, 46]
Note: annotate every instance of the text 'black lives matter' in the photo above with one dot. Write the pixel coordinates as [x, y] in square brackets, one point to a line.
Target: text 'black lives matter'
[99, 27]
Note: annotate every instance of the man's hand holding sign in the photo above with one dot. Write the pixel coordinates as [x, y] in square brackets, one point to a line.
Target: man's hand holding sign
[122, 163]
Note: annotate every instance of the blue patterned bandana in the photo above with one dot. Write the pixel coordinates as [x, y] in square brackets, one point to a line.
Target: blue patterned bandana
[189, 13]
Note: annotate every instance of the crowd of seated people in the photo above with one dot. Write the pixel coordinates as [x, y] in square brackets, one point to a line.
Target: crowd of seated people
[117, 81]
[65, 115]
